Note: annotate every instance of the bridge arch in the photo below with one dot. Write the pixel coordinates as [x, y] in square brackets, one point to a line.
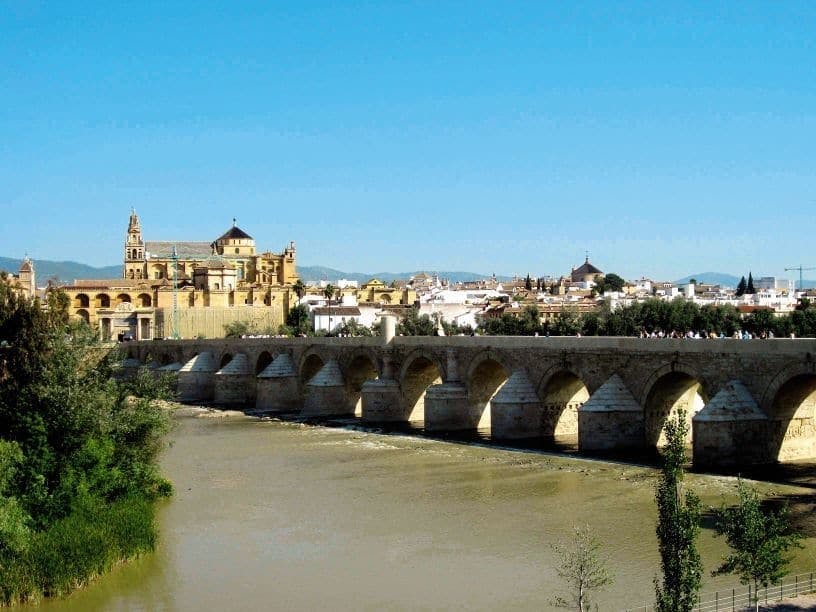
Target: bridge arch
[419, 371]
[310, 364]
[226, 357]
[562, 391]
[668, 389]
[264, 359]
[790, 403]
[359, 367]
[487, 373]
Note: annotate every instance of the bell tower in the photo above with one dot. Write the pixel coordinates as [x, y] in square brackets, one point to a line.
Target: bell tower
[134, 249]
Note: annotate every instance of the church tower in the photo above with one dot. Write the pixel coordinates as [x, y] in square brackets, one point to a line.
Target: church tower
[27, 279]
[134, 249]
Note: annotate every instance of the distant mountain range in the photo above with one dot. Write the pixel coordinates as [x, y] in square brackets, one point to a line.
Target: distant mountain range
[712, 278]
[318, 273]
[67, 271]
[63, 271]
[729, 280]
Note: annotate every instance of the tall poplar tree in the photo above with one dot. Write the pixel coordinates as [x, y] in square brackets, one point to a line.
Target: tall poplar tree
[678, 525]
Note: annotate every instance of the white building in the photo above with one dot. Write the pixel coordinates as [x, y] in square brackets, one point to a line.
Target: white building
[329, 318]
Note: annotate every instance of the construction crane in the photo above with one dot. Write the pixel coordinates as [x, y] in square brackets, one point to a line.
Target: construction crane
[801, 269]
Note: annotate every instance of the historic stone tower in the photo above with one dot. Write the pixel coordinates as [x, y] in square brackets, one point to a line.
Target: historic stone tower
[26, 278]
[134, 249]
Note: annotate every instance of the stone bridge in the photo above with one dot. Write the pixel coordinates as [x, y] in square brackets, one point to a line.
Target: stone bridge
[748, 402]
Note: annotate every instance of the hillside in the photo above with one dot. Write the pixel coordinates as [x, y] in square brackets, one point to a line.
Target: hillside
[67, 271]
[63, 271]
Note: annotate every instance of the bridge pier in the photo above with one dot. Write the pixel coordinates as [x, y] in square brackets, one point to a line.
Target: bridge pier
[382, 401]
[196, 379]
[235, 383]
[447, 408]
[611, 419]
[277, 386]
[516, 411]
[326, 393]
[381, 398]
[731, 430]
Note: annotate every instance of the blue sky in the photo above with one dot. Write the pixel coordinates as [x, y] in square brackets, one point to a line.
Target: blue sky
[506, 137]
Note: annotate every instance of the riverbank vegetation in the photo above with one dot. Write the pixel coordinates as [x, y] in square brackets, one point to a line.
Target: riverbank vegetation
[655, 315]
[78, 472]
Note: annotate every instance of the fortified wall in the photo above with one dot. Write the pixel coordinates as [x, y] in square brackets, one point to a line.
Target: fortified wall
[748, 402]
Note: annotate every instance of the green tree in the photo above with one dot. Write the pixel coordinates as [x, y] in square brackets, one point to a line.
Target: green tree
[566, 323]
[610, 282]
[528, 283]
[759, 541]
[299, 288]
[415, 325]
[354, 329]
[678, 525]
[761, 321]
[297, 320]
[741, 287]
[583, 568]
[78, 471]
[749, 288]
[237, 329]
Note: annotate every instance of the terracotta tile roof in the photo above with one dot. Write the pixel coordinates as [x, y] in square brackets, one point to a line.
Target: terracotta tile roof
[338, 311]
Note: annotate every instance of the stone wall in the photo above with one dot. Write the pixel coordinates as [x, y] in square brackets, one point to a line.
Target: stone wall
[451, 383]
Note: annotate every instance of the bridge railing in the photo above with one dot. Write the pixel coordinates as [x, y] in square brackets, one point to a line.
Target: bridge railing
[743, 597]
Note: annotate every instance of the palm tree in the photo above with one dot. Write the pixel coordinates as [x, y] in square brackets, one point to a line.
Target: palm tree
[328, 291]
[299, 288]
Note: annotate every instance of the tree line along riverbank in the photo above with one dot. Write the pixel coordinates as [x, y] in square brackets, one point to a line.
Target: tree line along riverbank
[78, 472]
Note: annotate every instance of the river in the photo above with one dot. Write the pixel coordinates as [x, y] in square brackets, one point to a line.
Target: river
[271, 515]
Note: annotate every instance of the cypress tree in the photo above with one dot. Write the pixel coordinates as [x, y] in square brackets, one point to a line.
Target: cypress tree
[678, 526]
[741, 287]
[750, 287]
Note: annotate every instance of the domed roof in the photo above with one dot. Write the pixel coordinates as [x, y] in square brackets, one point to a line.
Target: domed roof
[235, 233]
[587, 268]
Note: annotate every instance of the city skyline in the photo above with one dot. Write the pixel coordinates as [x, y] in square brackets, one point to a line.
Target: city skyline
[487, 138]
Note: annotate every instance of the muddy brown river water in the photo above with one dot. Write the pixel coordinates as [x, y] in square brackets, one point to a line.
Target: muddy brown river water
[271, 515]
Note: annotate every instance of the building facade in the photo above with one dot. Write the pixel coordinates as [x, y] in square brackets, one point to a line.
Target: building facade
[188, 289]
